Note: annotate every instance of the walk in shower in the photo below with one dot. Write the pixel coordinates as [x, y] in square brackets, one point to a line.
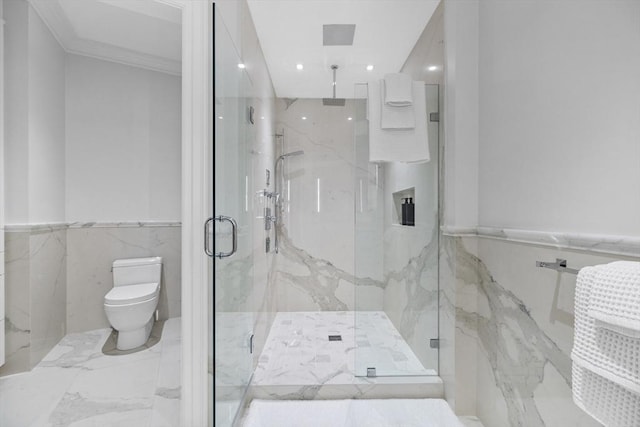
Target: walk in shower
[332, 291]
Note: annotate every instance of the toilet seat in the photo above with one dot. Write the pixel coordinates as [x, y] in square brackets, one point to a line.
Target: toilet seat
[129, 294]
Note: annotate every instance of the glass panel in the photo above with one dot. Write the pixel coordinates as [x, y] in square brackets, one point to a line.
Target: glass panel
[233, 320]
[396, 246]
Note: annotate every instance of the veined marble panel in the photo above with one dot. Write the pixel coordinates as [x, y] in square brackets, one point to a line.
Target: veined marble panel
[315, 267]
[48, 290]
[524, 328]
[17, 307]
[90, 254]
[306, 283]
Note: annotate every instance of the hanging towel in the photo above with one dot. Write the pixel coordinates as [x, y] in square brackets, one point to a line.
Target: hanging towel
[605, 363]
[398, 145]
[615, 302]
[398, 90]
[396, 117]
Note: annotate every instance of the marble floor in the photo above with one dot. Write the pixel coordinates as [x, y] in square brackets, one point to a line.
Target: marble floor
[298, 350]
[77, 385]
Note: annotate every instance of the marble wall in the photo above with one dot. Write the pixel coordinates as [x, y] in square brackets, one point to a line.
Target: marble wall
[36, 294]
[91, 249]
[515, 330]
[315, 268]
[57, 277]
[341, 245]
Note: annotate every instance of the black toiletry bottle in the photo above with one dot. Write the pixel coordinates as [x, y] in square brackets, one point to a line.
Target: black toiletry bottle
[411, 212]
[405, 211]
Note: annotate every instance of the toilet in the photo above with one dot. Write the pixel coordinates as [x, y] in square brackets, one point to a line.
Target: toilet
[131, 304]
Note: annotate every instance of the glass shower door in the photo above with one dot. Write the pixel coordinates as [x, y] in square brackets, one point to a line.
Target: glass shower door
[396, 328]
[232, 326]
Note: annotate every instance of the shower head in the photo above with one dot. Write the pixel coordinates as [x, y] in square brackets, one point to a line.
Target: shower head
[334, 102]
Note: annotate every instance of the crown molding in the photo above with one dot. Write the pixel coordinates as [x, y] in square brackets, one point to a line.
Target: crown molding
[55, 19]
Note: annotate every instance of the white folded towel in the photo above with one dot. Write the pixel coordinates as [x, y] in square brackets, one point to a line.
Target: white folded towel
[615, 301]
[398, 90]
[398, 145]
[601, 350]
[605, 367]
[396, 117]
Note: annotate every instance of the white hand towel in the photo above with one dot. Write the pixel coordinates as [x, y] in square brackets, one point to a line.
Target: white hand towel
[398, 145]
[396, 117]
[615, 302]
[398, 90]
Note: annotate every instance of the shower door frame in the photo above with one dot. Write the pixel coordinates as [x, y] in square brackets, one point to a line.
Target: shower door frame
[197, 196]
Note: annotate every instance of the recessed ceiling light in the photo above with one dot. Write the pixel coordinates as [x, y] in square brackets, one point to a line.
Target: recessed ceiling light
[369, 67]
[299, 66]
[220, 117]
[432, 68]
[304, 118]
[261, 117]
[349, 118]
[241, 66]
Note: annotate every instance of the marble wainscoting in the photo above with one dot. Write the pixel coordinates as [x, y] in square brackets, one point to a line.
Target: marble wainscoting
[36, 294]
[91, 250]
[522, 325]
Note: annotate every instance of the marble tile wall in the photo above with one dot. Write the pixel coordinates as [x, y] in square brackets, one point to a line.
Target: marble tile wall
[57, 276]
[35, 317]
[91, 249]
[315, 266]
[516, 321]
[410, 255]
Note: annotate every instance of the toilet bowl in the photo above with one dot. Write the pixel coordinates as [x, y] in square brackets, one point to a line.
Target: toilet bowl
[131, 304]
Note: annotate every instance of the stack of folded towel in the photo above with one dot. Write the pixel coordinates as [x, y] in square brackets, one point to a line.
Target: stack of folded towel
[397, 114]
[606, 350]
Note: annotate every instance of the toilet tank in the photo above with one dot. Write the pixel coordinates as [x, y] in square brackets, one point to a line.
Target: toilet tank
[137, 270]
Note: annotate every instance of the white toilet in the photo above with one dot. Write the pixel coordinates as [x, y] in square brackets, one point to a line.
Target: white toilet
[131, 304]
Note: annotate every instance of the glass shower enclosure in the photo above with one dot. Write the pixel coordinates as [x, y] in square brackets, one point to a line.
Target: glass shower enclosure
[396, 254]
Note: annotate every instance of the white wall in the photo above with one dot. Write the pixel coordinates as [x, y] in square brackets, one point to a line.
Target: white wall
[35, 134]
[560, 116]
[46, 124]
[461, 113]
[123, 150]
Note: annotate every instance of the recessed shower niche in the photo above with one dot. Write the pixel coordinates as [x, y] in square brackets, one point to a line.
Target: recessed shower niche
[404, 207]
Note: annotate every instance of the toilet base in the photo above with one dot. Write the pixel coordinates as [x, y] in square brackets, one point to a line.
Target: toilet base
[128, 340]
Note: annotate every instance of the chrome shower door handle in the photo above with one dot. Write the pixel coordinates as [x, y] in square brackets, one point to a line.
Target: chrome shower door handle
[234, 236]
[207, 248]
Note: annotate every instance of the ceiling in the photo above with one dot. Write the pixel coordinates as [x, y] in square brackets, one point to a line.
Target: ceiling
[143, 33]
[290, 33]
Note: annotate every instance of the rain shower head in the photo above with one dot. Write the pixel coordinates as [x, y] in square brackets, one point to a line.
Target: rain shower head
[334, 102]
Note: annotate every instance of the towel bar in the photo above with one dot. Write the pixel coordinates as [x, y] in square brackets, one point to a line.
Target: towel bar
[560, 265]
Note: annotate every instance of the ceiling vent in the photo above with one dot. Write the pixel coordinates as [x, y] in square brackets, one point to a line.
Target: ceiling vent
[338, 34]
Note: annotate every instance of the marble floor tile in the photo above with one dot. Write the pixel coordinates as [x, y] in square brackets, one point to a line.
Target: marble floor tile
[298, 350]
[76, 385]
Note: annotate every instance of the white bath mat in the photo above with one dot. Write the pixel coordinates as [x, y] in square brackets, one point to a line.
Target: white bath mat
[351, 413]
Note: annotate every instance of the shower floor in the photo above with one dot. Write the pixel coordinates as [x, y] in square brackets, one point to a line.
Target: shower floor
[298, 353]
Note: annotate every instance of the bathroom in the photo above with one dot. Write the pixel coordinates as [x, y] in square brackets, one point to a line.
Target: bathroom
[335, 298]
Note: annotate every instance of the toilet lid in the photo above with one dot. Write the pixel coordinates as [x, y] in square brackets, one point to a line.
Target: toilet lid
[130, 294]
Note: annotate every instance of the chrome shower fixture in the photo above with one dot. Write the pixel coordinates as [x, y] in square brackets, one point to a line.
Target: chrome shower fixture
[277, 180]
[334, 102]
